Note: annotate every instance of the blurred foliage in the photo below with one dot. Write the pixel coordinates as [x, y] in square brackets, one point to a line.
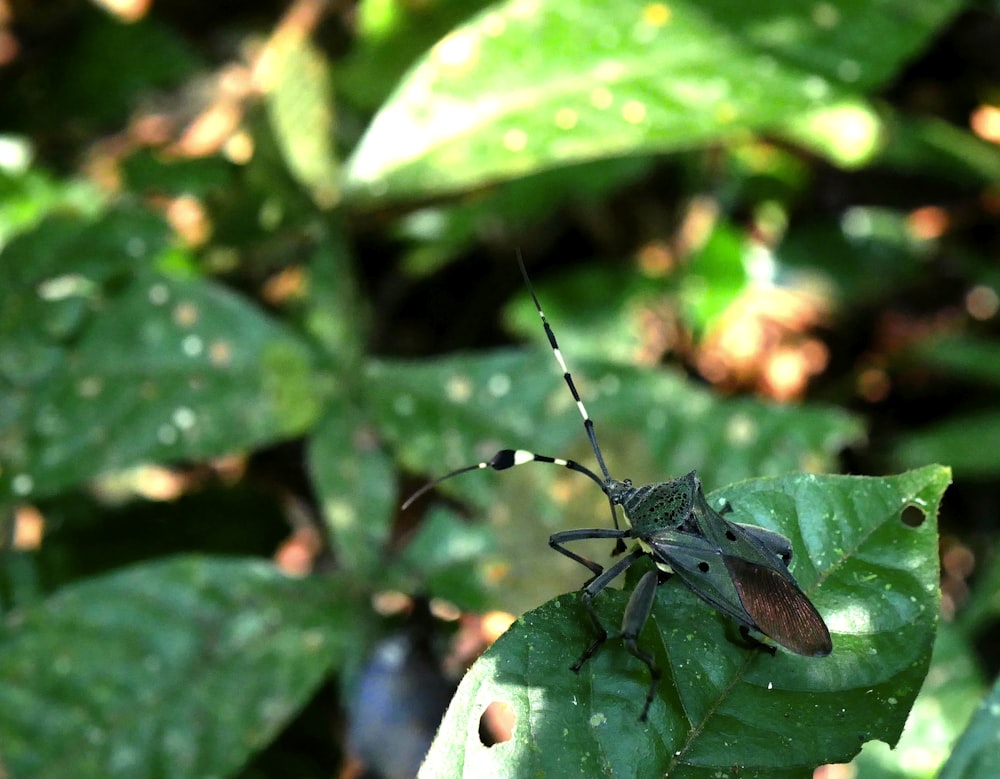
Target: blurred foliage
[257, 284]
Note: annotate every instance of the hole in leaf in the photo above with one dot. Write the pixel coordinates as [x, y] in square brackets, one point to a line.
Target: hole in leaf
[913, 516]
[497, 724]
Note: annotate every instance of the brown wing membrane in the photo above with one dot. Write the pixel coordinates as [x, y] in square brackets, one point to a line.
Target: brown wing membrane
[780, 609]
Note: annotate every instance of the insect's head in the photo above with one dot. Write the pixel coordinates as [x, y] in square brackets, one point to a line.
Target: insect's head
[618, 491]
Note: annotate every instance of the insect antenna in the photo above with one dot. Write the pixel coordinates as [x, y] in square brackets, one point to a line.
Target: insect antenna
[508, 458]
[588, 423]
[501, 461]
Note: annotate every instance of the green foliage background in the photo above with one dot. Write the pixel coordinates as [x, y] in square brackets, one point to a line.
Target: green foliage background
[270, 251]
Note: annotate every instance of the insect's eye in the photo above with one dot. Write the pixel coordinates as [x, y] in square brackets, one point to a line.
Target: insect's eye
[703, 567]
[730, 535]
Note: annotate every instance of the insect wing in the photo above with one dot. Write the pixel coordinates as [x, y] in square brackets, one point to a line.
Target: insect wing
[780, 609]
[701, 567]
[772, 541]
[757, 563]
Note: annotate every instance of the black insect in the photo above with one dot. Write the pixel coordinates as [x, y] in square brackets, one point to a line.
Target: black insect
[741, 570]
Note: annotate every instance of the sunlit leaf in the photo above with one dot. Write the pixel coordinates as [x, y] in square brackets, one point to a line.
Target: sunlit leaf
[522, 87]
[721, 705]
[300, 105]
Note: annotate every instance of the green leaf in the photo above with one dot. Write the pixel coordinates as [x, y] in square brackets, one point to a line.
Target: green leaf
[388, 36]
[716, 276]
[941, 711]
[969, 443]
[965, 356]
[171, 369]
[721, 705]
[450, 412]
[869, 251]
[525, 87]
[300, 106]
[976, 753]
[27, 195]
[356, 486]
[334, 313]
[54, 278]
[446, 557]
[848, 133]
[179, 668]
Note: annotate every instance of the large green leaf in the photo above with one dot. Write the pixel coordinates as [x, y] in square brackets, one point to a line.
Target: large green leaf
[179, 668]
[721, 706]
[525, 86]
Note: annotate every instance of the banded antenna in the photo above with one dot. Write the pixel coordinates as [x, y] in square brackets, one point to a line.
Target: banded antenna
[508, 458]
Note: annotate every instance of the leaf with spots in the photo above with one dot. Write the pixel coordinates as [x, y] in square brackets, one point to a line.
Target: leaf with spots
[356, 486]
[525, 86]
[180, 668]
[55, 278]
[723, 708]
[172, 369]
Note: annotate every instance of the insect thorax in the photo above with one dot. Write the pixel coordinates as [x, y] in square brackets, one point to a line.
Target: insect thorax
[653, 507]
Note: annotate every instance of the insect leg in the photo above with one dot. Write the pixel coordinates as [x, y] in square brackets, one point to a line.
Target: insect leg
[592, 588]
[755, 642]
[640, 604]
[558, 540]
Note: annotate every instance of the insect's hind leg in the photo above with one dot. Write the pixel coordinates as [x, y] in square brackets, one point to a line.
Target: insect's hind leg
[590, 591]
[640, 605]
